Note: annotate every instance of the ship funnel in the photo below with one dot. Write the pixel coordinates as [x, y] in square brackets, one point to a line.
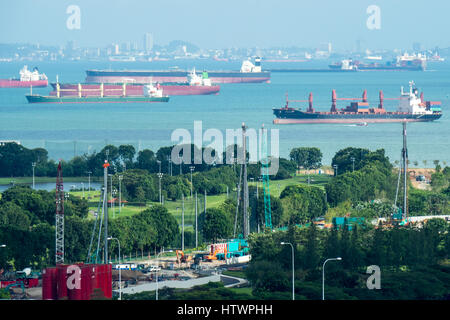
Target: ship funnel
[380, 106]
[421, 97]
[364, 96]
[333, 101]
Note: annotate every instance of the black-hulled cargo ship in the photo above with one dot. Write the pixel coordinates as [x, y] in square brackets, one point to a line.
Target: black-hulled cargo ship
[249, 73]
[411, 108]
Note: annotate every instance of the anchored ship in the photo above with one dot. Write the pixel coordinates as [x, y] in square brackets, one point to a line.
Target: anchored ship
[149, 93]
[405, 62]
[411, 108]
[248, 73]
[27, 79]
[196, 85]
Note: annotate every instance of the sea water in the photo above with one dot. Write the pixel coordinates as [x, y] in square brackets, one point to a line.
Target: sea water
[66, 130]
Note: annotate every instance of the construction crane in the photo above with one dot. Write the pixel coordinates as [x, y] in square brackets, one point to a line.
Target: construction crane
[101, 219]
[59, 252]
[265, 178]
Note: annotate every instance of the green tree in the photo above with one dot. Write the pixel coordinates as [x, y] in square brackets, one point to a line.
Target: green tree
[216, 225]
[308, 158]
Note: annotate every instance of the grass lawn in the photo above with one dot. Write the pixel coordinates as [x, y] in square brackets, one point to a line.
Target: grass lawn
[277, 186]
[213, 201]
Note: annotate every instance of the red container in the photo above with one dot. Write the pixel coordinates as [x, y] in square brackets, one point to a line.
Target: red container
[86, 282]
[108, 287]
[33, 282]
[49, 284]
[75, 282]
[62, 282]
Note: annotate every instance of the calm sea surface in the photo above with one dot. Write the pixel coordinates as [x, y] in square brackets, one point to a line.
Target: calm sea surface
[68, 129]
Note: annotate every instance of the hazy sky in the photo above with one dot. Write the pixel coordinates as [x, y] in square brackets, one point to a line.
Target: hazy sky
[229, 23]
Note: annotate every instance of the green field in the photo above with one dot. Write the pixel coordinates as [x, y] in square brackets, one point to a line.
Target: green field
[175, 207]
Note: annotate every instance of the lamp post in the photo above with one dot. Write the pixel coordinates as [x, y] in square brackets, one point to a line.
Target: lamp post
[335, 166]
[293, 286]
[323, 275]
[82, 188]
[33, 165]
[157, 264]
[113, 199]
[120, 193]
[89, 182]
[192, 168]
[120, 272]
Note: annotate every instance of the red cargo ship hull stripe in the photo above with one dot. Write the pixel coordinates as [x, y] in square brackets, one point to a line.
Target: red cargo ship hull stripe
[12, 83]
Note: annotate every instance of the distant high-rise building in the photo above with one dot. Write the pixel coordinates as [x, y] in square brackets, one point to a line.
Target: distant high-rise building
[416, 46]
[329, 47]
[148, 42]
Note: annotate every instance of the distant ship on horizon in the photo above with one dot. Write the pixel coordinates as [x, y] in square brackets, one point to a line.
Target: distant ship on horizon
[249, 73]
[405, 62]
[27, 79]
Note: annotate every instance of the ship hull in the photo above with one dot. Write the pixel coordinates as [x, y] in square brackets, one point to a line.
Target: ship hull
[135, 89]
[299, 117]
[93, 99]
[107, 76]
[14, 83]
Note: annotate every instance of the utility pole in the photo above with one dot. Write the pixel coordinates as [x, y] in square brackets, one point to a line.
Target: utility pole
[120, 193]
[196, 221]
[245, 184]
[182, 223]
[89, 182]
[33, 165]
[405, 172]
[159, 176]
[105, 208]
[192, 168]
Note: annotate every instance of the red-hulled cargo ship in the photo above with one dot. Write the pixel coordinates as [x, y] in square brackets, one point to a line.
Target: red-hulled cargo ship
[27, 79]
[249, 73]
[196, 85]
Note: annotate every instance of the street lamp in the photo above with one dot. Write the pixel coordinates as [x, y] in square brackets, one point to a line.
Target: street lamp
[113, 193]
[120, 193]
[120, 272]
[335, 166]
[33, 165]
[293, 286]
[192, 169]
[323, 275]
[157, 265]
[89, 186]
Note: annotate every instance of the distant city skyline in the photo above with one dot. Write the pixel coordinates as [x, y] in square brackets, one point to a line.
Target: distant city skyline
[232, 23]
